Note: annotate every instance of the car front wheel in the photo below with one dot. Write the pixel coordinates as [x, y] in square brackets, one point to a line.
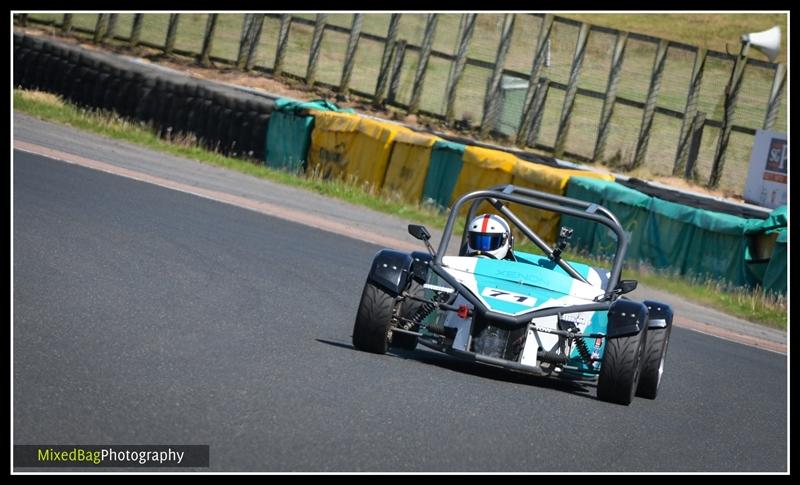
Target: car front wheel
[621, 367]
[373, 320]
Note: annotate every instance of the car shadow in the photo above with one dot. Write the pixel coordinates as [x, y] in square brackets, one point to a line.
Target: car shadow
[454, 364]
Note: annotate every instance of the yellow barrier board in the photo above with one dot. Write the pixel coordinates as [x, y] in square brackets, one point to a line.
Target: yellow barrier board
[389, 156]
[349, 146]
[483, 168]
[331, 140]
[408, 165]
[546, 179]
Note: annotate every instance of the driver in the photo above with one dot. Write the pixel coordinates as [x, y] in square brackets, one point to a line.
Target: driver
[489, 235]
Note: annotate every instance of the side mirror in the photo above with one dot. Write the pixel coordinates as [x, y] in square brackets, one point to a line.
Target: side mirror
[626, 286]
[419, 232]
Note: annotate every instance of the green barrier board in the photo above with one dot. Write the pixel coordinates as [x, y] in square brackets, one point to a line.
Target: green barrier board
[445, 165]
[289, 133]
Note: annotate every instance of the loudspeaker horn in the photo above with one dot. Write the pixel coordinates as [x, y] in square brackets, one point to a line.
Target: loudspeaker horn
[768, 41]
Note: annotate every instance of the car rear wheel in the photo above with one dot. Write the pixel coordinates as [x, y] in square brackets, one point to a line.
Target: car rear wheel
[621, 368]
[373, 320]
[655, 353]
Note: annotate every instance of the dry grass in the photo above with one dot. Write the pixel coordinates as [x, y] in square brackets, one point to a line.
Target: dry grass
[752, 304]
[716, 31]
[42, 97]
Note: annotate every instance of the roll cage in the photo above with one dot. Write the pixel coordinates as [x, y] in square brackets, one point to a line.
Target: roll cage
[498, 196]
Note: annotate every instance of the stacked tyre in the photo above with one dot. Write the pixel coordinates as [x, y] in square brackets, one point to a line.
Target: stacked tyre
[224, 118]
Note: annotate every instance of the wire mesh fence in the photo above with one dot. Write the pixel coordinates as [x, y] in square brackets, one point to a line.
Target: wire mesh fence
[572, 100]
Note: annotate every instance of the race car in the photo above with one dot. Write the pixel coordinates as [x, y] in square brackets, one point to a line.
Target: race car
[525, 312]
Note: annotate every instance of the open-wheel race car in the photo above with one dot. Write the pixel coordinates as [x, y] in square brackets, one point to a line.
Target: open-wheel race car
[525, 312]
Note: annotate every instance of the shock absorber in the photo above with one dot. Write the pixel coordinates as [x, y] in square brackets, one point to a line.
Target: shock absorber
[583, 350]
[426, 309]
[422, 312]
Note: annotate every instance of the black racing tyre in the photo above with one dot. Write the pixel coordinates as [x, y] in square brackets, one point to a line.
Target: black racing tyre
[655, 354]
[621, 368]
[408, 308]
[143, 110]
[373, 320]
[260, 136]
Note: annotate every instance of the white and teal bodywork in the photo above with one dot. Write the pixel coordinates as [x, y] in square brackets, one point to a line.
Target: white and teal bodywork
[531, 283]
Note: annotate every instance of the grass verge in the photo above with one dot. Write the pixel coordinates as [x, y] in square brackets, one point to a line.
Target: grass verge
[753, 305]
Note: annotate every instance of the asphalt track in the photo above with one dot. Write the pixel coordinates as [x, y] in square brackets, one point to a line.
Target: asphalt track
[148, 316]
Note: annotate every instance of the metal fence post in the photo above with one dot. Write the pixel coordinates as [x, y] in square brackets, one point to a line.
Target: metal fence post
[316, 43]
[696, 136]
[399, 57]
[491, 101]
[283, 43]
[208, 39]
[350, 54]
[572, 88]
[537, 110]
[422, 67]
[773, 104]
[386, 59]
[66, 24]
[459, 64]
[136, 29]
[256, 27]
[650, 104]
[611, 95]
[689, 113]
[538, 60]
[172, 31]
[100, 27]
[731, 97]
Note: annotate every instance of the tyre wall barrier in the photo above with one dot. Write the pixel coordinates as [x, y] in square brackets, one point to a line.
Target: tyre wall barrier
[682, 239]
[224, 118]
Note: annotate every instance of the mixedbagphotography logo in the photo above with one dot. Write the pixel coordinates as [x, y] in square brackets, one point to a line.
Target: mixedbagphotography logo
[183, 456]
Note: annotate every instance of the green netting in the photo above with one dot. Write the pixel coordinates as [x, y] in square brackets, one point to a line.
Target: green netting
[446, 163]
[696, 242]
[289, 133]
[775, 275]
[777, 219]
[766, 264]
[630, 206]
[670, 236]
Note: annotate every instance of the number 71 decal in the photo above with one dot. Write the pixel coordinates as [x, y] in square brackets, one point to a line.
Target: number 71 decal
[509, 296]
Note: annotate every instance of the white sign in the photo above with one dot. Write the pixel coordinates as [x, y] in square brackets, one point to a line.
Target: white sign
[768, 174]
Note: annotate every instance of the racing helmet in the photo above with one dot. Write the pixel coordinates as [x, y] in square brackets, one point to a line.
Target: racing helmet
[489, 235]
